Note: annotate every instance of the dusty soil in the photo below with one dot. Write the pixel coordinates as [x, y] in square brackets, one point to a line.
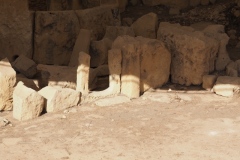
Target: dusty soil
[177, 125]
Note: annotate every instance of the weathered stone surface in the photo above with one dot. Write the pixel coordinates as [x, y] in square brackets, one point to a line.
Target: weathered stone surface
[81, 45]
[193, 53]
[112, 32]
[16, 23]
[55, 36]
[130, 74]
[83, 73]
[25, 66]
[99, 52]
[155, 60]
[227, 86]
[63, 76]
[96, 19]
[7, 82]
[60, 98]
[146, 25]
[209, 81]
[217, 32]
[115, 70]
[27, 103]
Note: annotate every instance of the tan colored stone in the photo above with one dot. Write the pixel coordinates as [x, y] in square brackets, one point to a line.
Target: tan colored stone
[83, 73]
[55, 35]
[7, 82]
[227, 86]
[155, 60]
[115, 70]
[27, 103]
[218, 32]
[25, 66]
[146, 25]
[60, 98]
[63, 76]
[193, 53]
[16, 23]
[130, 75]
[82, 44]
[209, 81]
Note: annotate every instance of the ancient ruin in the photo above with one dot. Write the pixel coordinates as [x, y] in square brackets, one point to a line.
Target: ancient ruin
[57, 54]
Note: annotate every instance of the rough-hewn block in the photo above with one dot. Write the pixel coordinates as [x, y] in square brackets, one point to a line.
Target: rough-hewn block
[27, 103]
[7, 82]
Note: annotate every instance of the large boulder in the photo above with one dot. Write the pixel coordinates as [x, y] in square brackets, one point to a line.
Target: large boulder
[154, 60]
[55, 36]
[193, 53]
[60, 98]
[112, 32]
[7, 82]
[146, 25]
[16, 23]
[218, 32]
[27, 103]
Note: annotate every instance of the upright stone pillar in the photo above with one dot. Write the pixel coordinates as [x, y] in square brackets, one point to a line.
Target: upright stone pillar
[83, 73]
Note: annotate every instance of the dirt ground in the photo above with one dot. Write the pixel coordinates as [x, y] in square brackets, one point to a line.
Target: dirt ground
[161, 124]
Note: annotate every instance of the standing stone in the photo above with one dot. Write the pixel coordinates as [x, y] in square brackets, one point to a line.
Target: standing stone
[193, 53]
[115, 70]
[60, 98]
[83, 73]
[55, 36]
[146, 26]
[16, 23]
[81, 45]
[25, 66]
[27, 103]
[130, 77]
[7, 82]
[232, 69]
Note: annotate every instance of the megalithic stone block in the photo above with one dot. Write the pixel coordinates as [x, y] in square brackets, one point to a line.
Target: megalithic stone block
[115, 69]
[130, 77]
[83, 73]
[7, 82]
[27, 103]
